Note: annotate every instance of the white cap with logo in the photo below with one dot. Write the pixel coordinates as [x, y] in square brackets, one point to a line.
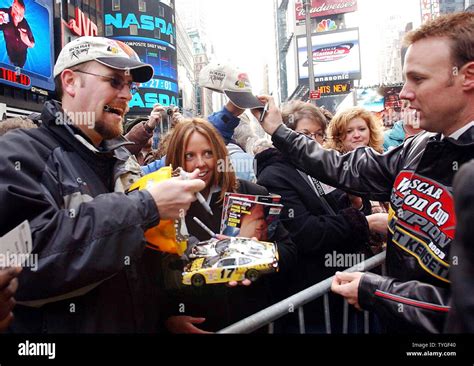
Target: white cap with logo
[111, 53]
[232, 82]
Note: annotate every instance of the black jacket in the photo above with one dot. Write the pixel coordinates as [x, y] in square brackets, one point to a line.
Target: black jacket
[93, 270]
[319, 235]
[219, 304]
[417, 178]
[312, 228]
[461, 318]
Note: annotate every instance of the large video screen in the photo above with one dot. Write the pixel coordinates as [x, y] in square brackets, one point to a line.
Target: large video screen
[336, 55]
[26, 43]
[149, 28]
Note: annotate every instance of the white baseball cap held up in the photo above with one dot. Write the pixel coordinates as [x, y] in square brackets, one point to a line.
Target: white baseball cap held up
[229, 80]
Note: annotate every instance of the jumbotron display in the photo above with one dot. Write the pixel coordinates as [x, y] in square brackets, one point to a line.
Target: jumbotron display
[149, 28]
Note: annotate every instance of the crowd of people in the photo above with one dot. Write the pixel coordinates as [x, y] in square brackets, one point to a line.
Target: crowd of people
[341, 193]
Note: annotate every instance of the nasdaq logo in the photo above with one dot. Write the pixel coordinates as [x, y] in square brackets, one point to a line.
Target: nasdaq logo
[148, 100]
[145, 22]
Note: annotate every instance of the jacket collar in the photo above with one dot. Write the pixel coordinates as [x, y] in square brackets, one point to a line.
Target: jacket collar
[466, 138]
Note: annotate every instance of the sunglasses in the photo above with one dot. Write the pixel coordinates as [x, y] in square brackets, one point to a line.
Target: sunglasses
[114, 82]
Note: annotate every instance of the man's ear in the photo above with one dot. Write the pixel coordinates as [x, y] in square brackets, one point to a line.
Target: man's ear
[70, 82]
[468, 75]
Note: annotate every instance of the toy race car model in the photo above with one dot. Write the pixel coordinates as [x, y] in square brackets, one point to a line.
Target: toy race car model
[231, 259]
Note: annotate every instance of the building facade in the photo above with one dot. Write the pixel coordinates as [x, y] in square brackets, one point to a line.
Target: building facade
[186, 70]
[451, 6]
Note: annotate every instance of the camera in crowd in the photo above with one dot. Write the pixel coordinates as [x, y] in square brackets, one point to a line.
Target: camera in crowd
[171, 109]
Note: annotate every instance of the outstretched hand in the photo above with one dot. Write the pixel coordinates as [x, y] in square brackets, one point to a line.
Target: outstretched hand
[272, 119]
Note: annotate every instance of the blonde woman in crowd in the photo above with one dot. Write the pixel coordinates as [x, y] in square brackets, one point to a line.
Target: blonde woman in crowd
[353, 128]
[350, 129]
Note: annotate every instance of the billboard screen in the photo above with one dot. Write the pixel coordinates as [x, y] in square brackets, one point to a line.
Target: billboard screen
[321, 8]
[336, 55]
[26, 44]
[148, 27]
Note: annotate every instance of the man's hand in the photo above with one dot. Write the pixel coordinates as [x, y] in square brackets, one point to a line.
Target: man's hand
[182, 324]
[273, 118]
[24, 37]
[232, 108]
[155, 116]
[378, 222]
[174, 196]
[8, 286]
[347, 285]
[176, 117]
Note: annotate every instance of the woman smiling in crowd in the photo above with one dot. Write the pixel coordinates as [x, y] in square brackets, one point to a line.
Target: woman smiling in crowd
[196, 144]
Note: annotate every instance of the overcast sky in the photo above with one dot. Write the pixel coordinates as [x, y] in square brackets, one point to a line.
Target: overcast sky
[242, 33]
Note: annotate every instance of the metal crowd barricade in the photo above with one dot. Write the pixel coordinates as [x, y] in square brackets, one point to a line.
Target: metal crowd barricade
[280, 309]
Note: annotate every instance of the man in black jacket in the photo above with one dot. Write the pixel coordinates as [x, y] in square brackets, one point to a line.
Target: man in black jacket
[67, 178]
[416, 177]
[461, 318]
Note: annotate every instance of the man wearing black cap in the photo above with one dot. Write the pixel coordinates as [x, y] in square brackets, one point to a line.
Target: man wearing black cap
[67, 178]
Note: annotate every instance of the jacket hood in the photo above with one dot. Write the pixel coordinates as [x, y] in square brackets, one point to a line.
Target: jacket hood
[269, 157]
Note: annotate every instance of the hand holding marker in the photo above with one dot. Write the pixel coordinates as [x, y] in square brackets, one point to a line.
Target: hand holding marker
[265, 110]
[199, 196]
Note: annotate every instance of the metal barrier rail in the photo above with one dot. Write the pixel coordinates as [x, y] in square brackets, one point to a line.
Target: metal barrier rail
[268, 315]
